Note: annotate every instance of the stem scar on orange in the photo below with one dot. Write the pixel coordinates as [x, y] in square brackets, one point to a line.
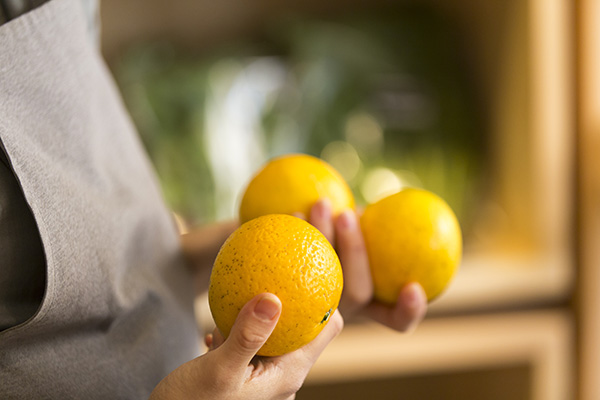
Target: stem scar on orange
[288, 257]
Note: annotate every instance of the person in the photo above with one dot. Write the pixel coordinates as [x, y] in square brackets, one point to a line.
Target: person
[96, 294]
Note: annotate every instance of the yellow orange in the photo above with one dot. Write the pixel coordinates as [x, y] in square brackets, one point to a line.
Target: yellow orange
[411, 236]
[293, 183]
[288, 257]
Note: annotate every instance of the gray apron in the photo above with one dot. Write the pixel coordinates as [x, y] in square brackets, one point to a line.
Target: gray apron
[117, 315]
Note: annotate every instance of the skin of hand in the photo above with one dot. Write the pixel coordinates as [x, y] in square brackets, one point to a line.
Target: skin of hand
[231, 369]
[357, 298]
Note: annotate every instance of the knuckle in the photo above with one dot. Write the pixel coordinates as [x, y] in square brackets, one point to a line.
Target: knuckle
[250, 339]
[358, 247]
[352, 242]
[353, 255]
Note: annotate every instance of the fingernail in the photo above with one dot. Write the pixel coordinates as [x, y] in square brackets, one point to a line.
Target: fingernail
[266, 309]
[323, 209]
[413, 296]
[347, 220]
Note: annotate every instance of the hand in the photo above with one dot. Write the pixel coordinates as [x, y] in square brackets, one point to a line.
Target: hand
[231, 370]
[200, 247]
[357, 298]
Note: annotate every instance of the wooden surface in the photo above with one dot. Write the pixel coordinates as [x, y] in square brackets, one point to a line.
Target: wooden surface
[541, 339]
[496, 281]
[588, 18]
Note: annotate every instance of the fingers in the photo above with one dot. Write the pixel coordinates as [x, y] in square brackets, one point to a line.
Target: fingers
[208, 341]
[213, 340]
[409, 311]
[252, 328]
[320, 218]
[358, 286]
[296, 365]
[346, 232]
[313, 350]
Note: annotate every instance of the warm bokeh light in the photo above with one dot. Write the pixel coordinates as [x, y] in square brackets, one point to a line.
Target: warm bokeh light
[344, 158]
[379, 183]
[363, 131]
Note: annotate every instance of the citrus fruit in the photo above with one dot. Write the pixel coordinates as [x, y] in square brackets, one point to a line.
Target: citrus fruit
[288, 257]
[411, 236]
[293, 183]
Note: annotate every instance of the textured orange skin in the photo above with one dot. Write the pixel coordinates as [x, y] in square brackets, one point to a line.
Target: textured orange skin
[411, 236]
[288, 257]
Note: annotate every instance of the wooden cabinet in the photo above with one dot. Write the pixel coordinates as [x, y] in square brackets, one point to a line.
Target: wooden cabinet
[588, 210]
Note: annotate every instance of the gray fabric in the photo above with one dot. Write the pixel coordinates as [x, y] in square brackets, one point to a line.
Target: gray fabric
[11, 9]
[117, 314]
[22, 263]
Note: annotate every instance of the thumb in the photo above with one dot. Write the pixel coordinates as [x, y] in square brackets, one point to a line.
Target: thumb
[251, 329]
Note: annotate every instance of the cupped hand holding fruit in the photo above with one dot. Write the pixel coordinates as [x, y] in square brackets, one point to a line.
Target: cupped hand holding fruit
[273, 253]
[411, 244]
[231, 371]
[410, 306]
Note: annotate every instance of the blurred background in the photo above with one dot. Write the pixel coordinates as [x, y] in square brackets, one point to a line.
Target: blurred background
[490, 104]
[382, 96]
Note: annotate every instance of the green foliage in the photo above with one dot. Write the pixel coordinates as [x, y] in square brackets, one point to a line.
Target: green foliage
[391, 87]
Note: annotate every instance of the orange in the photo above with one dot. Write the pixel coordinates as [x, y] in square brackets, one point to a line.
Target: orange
[288, 257]
[411, 236]
[293, 183]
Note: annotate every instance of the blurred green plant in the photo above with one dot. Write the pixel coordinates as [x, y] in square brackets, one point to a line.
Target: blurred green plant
[383, 98]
